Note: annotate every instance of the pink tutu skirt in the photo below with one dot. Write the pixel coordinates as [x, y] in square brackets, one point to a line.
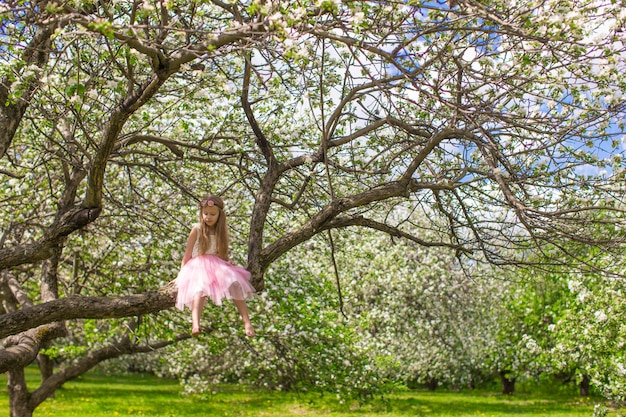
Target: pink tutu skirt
[212, 277]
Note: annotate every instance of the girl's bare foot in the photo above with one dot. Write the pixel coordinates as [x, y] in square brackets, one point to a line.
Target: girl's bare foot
[249, 329]
[195, 331]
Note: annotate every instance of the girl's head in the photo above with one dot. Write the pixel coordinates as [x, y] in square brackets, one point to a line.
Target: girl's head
[213, 222]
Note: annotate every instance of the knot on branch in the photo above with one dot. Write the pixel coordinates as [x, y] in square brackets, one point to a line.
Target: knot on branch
[37, 336]
[85, 216]
[78, 218]
[16, 340]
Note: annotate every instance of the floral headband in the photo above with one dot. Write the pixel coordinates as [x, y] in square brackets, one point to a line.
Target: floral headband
[211, 201]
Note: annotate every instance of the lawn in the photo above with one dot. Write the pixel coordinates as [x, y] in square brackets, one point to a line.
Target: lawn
[95, 394]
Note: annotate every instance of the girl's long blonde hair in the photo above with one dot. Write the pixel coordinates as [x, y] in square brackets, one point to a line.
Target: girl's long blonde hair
[221, 228]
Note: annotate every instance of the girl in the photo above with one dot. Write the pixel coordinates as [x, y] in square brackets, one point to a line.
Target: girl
[205, 270]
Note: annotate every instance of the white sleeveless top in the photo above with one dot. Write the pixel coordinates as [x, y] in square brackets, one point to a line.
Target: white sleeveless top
[212, 243]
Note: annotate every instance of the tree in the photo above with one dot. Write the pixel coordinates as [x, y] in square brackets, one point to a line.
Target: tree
[562, 326]
[423, 317]
[521, 328]
[498, 117]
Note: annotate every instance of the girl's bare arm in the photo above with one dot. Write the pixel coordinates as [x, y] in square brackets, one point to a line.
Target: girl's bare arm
[191, 241]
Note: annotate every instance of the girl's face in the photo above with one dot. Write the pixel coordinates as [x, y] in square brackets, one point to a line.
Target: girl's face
[210, 215]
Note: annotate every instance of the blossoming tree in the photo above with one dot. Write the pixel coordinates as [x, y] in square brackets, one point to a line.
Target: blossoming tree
[500, 120]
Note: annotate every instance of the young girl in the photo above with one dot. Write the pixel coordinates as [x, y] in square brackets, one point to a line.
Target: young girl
[205, 270]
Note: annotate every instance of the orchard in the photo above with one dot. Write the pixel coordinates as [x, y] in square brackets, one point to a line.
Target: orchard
[424, 192]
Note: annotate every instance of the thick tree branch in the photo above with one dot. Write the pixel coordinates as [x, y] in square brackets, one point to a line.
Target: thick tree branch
[44, 247]
[86, 308]
[319, 221]
[112, 130]
[405, 185]
[263, 197]
[261, 140]
[16, 289]
[173, 146]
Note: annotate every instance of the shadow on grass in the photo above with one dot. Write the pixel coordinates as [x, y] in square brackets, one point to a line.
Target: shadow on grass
[486, 405]
[120, 396]
[95, 395]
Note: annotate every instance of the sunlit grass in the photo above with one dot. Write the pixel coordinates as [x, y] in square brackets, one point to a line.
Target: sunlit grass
[144, 395]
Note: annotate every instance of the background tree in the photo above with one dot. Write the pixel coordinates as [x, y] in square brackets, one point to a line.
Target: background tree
[501, 118]
[561, 326]
[582, 336]
[425, 320]
[528, 307]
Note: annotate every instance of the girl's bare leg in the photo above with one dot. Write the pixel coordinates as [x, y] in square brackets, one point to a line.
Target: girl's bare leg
[196, 312]
[243, 310]
[236, 293]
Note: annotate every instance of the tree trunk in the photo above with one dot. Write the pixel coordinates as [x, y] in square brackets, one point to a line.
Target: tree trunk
[508, 383]
[584, 385]
[18, 394]
[46, 366]
[432, 384]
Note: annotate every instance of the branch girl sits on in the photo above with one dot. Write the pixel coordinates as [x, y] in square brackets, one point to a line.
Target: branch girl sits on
[206, 271]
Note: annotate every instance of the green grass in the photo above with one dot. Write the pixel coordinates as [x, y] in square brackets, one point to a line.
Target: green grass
[142, 395]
